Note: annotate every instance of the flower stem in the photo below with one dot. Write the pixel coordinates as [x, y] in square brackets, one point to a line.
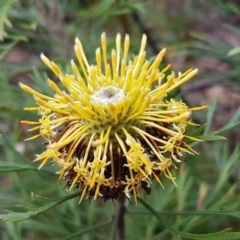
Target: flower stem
[119, 215]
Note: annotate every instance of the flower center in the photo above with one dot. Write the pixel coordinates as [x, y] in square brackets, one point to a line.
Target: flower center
[108, 95]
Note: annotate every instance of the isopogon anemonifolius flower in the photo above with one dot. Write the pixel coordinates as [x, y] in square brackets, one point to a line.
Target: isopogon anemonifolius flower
[112, 130]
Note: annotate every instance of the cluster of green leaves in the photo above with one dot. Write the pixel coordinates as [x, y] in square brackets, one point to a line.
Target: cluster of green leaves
[207, 197]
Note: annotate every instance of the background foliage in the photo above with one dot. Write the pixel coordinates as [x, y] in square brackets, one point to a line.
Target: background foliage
[197, 33]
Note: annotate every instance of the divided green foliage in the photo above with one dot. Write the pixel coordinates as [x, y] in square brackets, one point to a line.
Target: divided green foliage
[204, 205]
[5, 6]
[31, 211]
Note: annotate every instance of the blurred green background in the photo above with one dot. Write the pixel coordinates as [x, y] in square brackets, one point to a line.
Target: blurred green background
[197, 34]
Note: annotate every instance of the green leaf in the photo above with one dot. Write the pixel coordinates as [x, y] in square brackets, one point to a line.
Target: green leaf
[166, 224]
[4, 9]
[11, 166]
[234, 51]
[23, 164]
[226, 170]
[6, 144]
[233, 7]
[233, 122]
[31, 212]
[5, 48]
[199, 35]
[210, 115]
[233, 29]
[198, 132]
[223, 235]
[86, 230]
[212, 137]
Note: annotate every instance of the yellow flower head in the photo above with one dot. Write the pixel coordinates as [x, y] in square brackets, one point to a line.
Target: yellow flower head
[112, 130]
